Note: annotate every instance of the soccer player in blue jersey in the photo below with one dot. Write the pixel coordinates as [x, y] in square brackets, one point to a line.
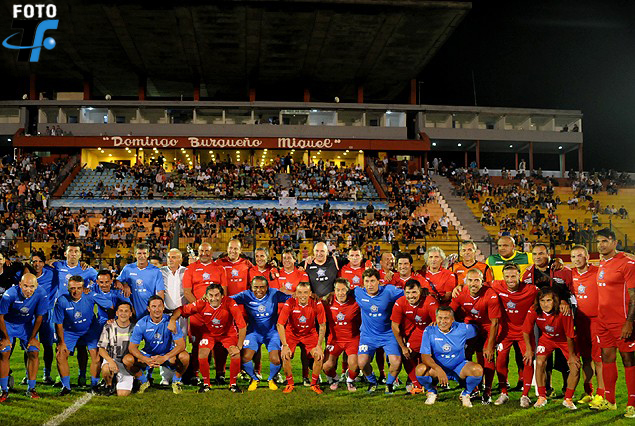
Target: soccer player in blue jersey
[375, 304]
[443, 355]
[75, 324]
[162, 347]
[65, 269]
[261, 305]
[141, 280]
[21, 311]
[104, 286]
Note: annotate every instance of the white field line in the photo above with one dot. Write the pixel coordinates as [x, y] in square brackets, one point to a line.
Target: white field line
[60, 418]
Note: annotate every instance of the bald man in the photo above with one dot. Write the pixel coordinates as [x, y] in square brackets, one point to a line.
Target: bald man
[322, 271]
[507, 253]
[21, 312]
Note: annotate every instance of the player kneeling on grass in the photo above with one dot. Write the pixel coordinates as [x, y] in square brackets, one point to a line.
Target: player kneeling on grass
[219, 315]
[113, 346]
[296, 326]
[443, 356]
[557, 333]
[21, 312]
[162, 347]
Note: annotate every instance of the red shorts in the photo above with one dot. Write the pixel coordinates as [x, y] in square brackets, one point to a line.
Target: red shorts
[586, 330]
[309, 342]
[478, 343]
[208, 341]
[414, 341]
[609, 337]
[505, 345]
[546, 347]
[349, 347]
[197, 328]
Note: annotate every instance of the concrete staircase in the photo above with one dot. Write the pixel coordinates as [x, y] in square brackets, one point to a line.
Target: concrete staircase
[461, 216]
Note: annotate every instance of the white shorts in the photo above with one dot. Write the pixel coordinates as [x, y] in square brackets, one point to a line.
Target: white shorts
[124, 378]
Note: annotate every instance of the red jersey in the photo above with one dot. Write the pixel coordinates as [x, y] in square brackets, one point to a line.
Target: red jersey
[585, 289]
[300, 320]
[460, 270]
[413, 320]
[218, 321]
[515, 305]
[353, 275]
[615, 276]
[198, 276]
[555, 328]
[237, 274]
[269, 273]
[344, 320]
[478, 310]
[288, 281]
[382, 277]
[399, 282]
[441, 282]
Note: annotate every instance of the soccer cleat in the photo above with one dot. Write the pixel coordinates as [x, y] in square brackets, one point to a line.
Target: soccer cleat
[24, 381]
[415, 390]
[47, 380]
[279, 379]
[351, 387]
[486, 399]
[568, 402]
[518, 387]
[221, 381]
[630, 412]
[110, 390]
[177, 388]
[32, 393]
[143, 387]
[390, 390]
[94, 390]
[204, 389]
[81, 381]
[317, 389]
[465, 400]
[502, 399]
[334, 385]
[243, 376]
[164, 382]
[11, 381]
[597, 400]
[551, 393]
[306, 382]
[272, 385]
[235, 389]
[525, 402]
[541, 402]
[288, 389]
[605, 406]
[253, 385]
[431, 398]
[65, 391]
[372, 387]
[585, 399]
[343, 376]
[4, 396]
[259, 376]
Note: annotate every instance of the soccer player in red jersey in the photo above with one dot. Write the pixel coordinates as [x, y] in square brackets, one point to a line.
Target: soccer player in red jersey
[585, 289]
[411, 314]
[557, 333]
[441, 281]
[262, 267]
[343, 318]
[516, 299]
[479, 305]
[221, 316]
[468, 261]
[387, 265]
[197, 277]
[354, 269]
[296, 326]
[289, 276]
[405, 272]
[616, 313]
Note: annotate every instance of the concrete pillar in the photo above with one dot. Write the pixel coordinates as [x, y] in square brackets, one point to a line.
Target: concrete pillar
[360, 94]
[516, 161]
[466, 164]
[252, 95]
[413, 91]
[141, 92]
[580, 159]
[531, 156]
[307, 95]
[87, 89]
[33, 87]
[478, 154]
[425, 162]
[197, 91]
[563, 165]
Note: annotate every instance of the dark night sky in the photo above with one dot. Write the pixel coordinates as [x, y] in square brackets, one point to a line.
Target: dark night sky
[547, 54]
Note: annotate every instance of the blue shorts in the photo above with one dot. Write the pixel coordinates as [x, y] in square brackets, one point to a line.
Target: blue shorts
[90, 338]
[22, 332]
[369, 344]
[453, 371]
[254, 340]
[47, 329]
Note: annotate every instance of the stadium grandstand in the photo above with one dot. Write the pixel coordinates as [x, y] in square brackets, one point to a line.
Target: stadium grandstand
[243, 146]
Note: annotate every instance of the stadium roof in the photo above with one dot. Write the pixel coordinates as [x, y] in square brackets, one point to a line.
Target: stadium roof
[279, 48]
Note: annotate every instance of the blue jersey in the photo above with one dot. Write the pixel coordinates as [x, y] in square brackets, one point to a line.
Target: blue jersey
[143, 283]
[262, 313]
[158, 339]
[17, 309]
[376, 310]
[115, 296]
[77, 316]
[447, 349]
[65, 272]
[49, 283]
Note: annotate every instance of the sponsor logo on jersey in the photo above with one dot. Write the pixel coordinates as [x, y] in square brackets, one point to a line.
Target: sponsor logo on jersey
[340, 316]
[374, 308]
[549, 328]
[474, 311]
[139, 282]
[356, 279]
[215, 321]
[68, 277]
[511, 305]
[601, 274]
[235, 272]
[261, 308]
[321, 272]
[302, 319]
[24, 310]
[417, 318]
[447, 347]
[581, 289]
[157, 335]
[78, 314]
[206, 276]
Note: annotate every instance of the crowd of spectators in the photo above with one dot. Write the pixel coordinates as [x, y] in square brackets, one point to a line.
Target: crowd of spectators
[329, 181]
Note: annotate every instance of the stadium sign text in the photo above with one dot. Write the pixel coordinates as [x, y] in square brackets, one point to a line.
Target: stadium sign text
[220, 143]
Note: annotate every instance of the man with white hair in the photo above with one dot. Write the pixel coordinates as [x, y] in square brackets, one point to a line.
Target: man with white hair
[441, 281]
[174, 296]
